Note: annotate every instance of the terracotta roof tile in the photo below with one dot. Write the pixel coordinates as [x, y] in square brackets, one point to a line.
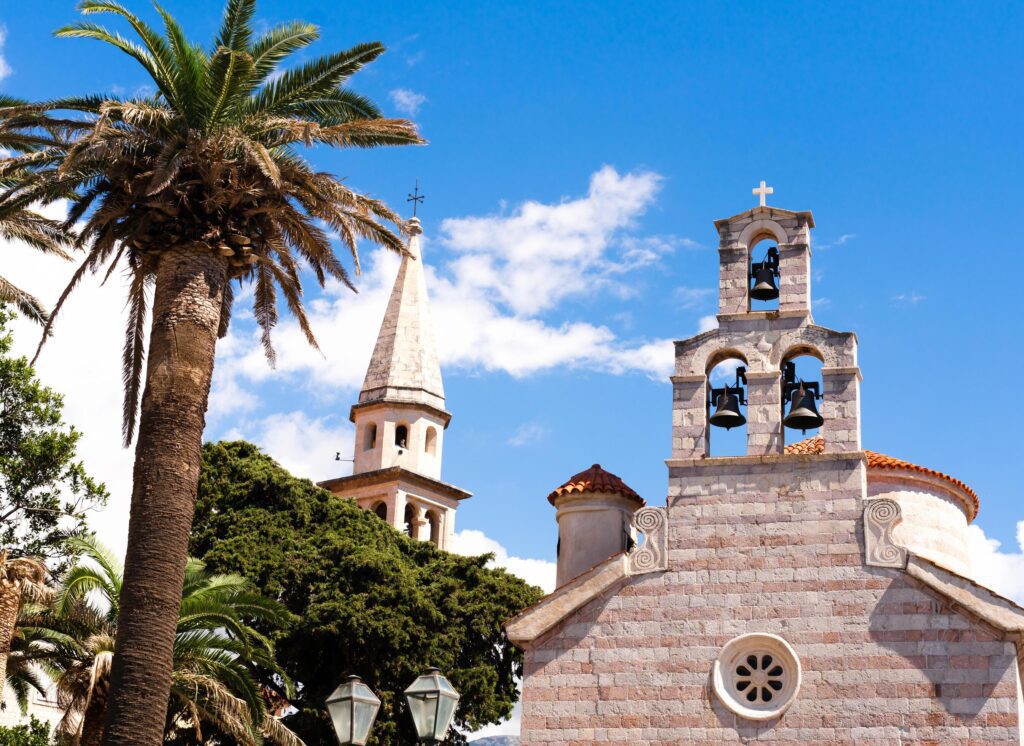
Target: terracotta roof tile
[595, 479]
[880, 461]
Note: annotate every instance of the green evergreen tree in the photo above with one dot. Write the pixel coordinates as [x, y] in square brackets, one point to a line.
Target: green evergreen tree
[366, 598]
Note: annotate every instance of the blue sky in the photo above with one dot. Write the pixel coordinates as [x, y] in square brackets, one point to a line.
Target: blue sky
[897, 124]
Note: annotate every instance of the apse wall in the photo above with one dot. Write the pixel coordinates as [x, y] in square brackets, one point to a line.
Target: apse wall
[935, 519]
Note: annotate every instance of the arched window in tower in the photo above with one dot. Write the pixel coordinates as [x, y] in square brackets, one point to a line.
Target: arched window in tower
[726, 427]
[402, 436]
[431, 442]
[801, 394]
[381, 509]
[434, 522]
[370, 437]
[410, 520]
[764, 276]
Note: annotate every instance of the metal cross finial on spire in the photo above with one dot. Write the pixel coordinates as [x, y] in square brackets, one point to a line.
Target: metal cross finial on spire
[763, 191]
[415, 198]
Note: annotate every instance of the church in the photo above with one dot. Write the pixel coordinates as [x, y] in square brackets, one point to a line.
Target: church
[806, 591]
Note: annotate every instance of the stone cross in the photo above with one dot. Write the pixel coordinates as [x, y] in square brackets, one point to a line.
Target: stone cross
[763, 191]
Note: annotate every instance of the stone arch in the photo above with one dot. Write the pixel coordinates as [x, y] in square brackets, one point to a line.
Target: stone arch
[381, 510]
[430, 444]
[402, 435]
[760, 230]
[833, 349]
[800, 348]
[721, 355]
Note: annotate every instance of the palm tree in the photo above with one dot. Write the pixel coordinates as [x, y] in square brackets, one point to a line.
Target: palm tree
[21, 578]
[215, 652]
[191, 189]
[21, 130]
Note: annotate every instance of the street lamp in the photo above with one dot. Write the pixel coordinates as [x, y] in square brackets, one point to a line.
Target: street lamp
[432, 702]
[353, 709]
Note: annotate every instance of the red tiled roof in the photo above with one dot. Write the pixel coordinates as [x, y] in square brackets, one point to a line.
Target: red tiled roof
[595, 479]
[882, 462]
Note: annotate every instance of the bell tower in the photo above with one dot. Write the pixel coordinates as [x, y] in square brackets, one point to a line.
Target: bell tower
[400, 417]
[766, 344]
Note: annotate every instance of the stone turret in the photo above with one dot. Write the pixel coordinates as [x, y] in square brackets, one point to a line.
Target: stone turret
[594, 512]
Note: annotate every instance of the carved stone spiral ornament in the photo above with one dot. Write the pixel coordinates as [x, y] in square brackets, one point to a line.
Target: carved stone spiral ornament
[880, 518]
[652, 555]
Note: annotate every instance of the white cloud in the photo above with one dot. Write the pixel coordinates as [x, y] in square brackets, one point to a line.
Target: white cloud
[706, 324]
[304, 446]
[5, 69]
[406, 101]
[542, 254]
[529, 433]
[1003, 572]
[488, 305]
[537, 572]
[82, 361]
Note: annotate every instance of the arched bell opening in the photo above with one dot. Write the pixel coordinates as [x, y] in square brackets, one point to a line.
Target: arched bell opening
[370, 437]
[410, 520]
[381, 510]
[434, 524]
[801, 395]
[430, 445]
[402, 437]
[763, 276]
[726, 426]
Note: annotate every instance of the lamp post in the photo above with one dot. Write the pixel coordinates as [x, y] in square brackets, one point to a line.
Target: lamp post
[432, 700]
[353, 709]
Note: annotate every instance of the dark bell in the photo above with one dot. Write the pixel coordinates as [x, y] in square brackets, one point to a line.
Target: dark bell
[727, 411]
[764, 285]
[803, 414]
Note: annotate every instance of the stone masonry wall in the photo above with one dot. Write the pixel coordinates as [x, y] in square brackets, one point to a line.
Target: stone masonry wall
[771, 544]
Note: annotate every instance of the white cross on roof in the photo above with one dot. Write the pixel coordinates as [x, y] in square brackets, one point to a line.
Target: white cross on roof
[763, 191]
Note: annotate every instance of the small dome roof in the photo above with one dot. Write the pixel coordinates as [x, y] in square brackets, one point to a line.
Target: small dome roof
[879, 461]
[596, 479]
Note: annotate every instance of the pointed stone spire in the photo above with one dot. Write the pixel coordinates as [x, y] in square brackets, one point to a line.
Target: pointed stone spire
[404, 366]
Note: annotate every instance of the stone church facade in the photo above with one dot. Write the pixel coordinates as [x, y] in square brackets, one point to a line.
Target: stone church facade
[805, 592]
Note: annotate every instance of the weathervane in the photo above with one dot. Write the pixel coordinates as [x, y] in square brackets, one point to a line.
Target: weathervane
[415, 198]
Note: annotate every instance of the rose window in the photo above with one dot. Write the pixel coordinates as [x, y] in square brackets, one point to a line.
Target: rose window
[757, 676]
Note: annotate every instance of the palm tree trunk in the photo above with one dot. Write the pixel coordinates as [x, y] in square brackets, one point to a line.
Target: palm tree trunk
[94, 715]
[186, 314]
[10, 603]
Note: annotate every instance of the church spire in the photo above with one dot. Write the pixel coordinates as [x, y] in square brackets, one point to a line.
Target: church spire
[400, 418]
[404, 366]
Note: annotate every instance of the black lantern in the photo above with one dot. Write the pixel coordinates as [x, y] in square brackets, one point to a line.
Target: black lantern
[764, 276]
[803, 413]
[353, 709]
[726, 401]
[432, 700]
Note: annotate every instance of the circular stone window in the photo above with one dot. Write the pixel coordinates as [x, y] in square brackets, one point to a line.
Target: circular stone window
[757, 676]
